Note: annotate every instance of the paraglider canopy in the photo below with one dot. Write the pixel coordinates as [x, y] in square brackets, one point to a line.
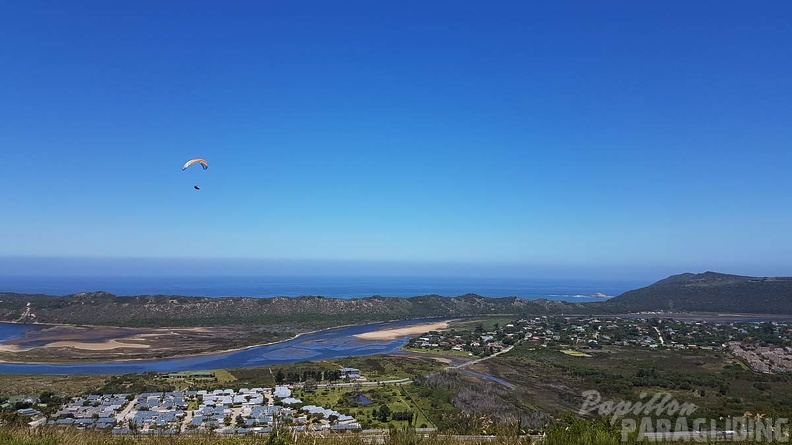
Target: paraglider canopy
[203, 163]
[195, 161]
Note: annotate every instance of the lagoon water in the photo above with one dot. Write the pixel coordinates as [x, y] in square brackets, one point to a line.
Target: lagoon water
[329, 286]
[328, 344]
[9, 331]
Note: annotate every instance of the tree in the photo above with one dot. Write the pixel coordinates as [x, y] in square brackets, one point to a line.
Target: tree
[22, 405]
[384, 413]
[279, 377]
[309, 385]
[403, 415]
[723, 388]
[48, 397]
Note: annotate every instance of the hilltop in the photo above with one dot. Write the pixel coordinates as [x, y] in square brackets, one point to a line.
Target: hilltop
[711, 292]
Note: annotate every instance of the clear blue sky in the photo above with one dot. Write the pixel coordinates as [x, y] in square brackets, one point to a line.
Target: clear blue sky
[609, 136]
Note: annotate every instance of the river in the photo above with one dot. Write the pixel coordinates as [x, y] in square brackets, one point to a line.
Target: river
[322, 345]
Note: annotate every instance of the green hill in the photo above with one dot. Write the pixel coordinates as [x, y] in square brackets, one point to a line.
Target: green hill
[711, 292]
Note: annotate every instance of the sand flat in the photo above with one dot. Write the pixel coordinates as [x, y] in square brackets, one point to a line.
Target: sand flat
[393, 334]
[95, 346]
[12, 348]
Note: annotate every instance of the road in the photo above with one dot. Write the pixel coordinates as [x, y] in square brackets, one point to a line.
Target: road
[404, 381]
[188, 416]
[473, 362]
[381, 382]
[270, 399]
[123, 416]
[659, 335]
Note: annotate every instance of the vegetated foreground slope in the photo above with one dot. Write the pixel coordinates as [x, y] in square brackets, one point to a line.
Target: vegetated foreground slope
[711, 292]
[102, 308]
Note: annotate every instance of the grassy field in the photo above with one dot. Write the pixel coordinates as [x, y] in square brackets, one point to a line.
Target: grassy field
[224, 376]
[390, 367]
[390, 395]
[437, 351]
[575, 353]
[221, 378]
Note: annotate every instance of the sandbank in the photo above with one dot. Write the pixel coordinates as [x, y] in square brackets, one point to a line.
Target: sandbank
[393, 334]
[95, 346]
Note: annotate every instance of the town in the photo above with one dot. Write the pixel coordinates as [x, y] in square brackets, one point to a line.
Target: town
[221, 411]
[763, 346]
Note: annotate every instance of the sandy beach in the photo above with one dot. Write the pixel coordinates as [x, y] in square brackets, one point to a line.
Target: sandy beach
[393, 334]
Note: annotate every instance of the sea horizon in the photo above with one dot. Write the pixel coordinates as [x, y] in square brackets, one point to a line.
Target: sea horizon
[345, 287]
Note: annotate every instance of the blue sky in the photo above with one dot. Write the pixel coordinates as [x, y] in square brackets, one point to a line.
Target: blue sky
[650, 136]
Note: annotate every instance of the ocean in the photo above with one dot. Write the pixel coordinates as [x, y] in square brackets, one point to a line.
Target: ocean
[580, 290]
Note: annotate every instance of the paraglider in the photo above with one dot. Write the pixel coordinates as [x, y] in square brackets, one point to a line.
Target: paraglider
[195, 161]
[203, 163]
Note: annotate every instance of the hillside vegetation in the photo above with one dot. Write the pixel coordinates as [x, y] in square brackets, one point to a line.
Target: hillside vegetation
[102, 308]
[711, 292]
